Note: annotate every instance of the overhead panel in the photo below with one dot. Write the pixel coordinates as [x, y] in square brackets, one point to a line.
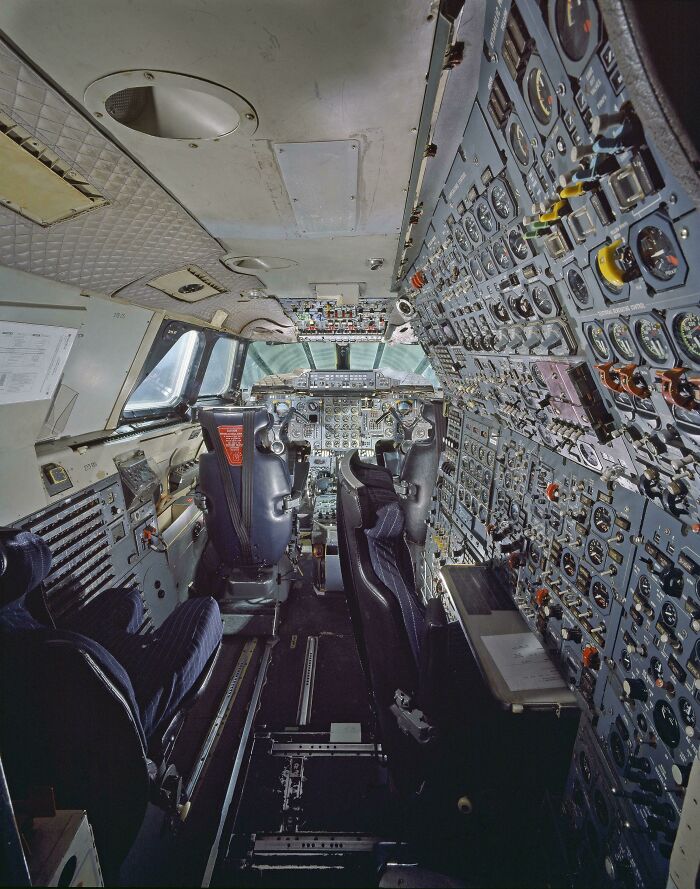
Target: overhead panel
[321, 182]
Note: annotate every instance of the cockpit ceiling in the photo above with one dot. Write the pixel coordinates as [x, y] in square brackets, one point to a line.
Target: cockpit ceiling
[312, 71]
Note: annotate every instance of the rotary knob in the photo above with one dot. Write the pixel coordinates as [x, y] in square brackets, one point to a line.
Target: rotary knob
[635, 689]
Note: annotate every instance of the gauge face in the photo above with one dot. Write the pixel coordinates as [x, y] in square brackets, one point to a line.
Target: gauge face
[501, 201]
[601, 595]
[499, 312]
[666, 724]
[518, 244]
[521, 306]
[658, 252]
[577, 285]
[572, 19]
[514, 510]
[617, 749]
[652, 339]
[585, 767]
[282, 408]
[471, 228]
[596, 551]
[622, 341]
[487, 263]
[404, 407]
[625, 659]
[501, 255]
[656, 669]
[686, 328]
[601, 808]
[687, 711]
[462, 239]
[542, 299]
[568, 564]
[669, 615]
[519, 143]
[485, 217]
[541, 95]
[689, 420]
[602, 519]
[476, 271]
[644, 586]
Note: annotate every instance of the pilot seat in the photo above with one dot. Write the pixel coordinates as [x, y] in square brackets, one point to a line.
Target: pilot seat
[245, 492]
[92, 706]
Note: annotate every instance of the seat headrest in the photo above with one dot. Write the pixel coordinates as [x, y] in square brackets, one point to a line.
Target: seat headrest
[389, 522]
[25, 561]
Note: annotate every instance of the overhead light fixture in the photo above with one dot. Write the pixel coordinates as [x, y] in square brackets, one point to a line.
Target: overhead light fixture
[250, 265]
[190, 284]
[375, 264]
[36, 183]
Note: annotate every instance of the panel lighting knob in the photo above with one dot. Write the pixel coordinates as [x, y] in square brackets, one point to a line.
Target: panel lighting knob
[635, 689]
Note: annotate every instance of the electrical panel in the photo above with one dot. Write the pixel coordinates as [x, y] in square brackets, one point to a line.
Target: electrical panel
[556, 295]
[317, 320]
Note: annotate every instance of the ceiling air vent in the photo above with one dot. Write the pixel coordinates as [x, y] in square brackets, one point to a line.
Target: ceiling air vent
[36, 183]
[190, 284]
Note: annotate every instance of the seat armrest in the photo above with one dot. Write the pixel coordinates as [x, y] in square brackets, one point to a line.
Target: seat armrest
[432, 668]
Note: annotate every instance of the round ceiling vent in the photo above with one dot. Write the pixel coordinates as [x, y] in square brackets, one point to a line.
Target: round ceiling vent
[171, 106]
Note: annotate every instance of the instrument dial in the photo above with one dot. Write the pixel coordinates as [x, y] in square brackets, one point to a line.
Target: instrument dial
[666, 724]
[501, 201]
[471, 228]
[656, 669]
[621, 337]
[461, 239]
[572, 19]
[282, 408]
[519, 143]
[601, 595]
[541, 95]
[625, 659]
[599, 344]
[658, 252]
[500, 313]
[578, 287]
[522, 306]
[542, 299]
[568, 564]
[501, 255]
[476, 272]
[669, 615]
[602, 519]
[686, 329]
[687, 711]
[487, 263]
[596, 551]
[518, 244]
[485, 217]
[617, 749]
[644, 586]
[652, 339]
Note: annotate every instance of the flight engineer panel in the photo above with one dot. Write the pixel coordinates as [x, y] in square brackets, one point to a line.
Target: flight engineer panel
[556, 295]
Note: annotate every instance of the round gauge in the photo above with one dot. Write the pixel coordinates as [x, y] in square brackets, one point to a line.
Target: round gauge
[501, 255]
[622, 341]
[601, 595]
[519, 143]
[501, 201]
[462, 239]
[485, 217]
[514, 510]
[666, 724]
[572, 19]
[476, 271]
[652, 339]
[602, 519]
[518, 244]
[522, 306]
[644, 586]
[601, 808]
[669, 615]
[617, 748]
[596, 551]
[688, 420]
[656, 670]
[585, 767]
[686, 328]
[642, 722]
[687, 711]
[625, 659]
[500, 313]
[577, 285]
[541, 95]
[542, 299]
[404, 407]
[282, 408]
[568, 564]
[658, 252]
[487, 263]
[471, 228]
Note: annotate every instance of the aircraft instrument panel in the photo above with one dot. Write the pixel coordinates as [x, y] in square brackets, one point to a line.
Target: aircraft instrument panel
[556, 295]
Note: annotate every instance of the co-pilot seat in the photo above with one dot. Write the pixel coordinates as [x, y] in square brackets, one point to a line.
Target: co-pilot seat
[245, 491]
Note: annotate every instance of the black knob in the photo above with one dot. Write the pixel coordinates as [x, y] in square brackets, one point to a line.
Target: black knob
[571, 634]
[635, 689]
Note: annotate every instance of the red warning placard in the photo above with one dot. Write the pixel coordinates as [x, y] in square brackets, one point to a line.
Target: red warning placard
[232, 440]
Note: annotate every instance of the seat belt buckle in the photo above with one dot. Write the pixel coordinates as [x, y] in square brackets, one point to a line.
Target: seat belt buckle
[411, 721]
[292, 501]
[200, 501]
[407, 490]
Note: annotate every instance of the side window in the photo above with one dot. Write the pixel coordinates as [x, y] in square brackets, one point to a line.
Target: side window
[165, 383]
[217, 377]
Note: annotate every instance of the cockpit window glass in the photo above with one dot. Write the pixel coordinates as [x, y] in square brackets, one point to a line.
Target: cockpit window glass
[324, 355]
[362, 355]
[165, 383]
[392, 360]
[217, 377]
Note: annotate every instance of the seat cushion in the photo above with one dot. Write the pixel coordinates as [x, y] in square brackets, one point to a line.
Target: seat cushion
[392, 565]
[164, 665]
[28, 563]
[107, 618]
